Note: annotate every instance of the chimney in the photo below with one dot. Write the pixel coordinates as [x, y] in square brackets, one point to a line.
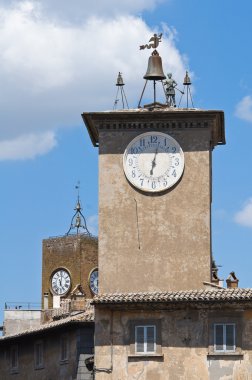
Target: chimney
[232, 281]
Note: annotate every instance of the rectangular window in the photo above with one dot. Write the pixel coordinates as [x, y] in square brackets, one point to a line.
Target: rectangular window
[38, 355]
[145, 339]
[63, 348]
[14, 358]
[224, 337]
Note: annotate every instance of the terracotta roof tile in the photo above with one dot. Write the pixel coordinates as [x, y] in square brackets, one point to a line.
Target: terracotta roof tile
[216, 295]
[84, 316]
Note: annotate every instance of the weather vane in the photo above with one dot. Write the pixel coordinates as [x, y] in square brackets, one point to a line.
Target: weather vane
[156, 39]
[78, 221]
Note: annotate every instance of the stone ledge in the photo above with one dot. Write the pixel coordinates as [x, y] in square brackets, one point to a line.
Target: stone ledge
[144, 356]
[225, 355]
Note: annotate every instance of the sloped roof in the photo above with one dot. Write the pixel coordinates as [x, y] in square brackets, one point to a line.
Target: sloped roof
[84, 316]
[191, 296]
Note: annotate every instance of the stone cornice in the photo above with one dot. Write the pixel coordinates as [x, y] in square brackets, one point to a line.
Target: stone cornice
[175, 119]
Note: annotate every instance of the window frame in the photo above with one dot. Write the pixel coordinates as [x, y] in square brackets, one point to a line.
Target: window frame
[38, 364]
[224, 337]
[145, 343]
[131, 338]
[217, 317]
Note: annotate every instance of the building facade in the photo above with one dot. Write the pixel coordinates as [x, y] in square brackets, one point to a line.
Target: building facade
[161, 312]
[196, 335]
[55, 350]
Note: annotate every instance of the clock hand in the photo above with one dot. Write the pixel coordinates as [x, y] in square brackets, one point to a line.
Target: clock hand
[60, 280]
[153, 162]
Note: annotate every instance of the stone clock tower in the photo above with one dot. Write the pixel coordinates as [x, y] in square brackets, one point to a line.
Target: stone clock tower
[69, 263]
[155, 197]
[161, 312]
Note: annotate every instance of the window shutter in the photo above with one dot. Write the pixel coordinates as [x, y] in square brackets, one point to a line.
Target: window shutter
[64, 353]
[219, 344]
[150, 338]
[38, 348]
[139, 339]
[230, 337]
[14, 357]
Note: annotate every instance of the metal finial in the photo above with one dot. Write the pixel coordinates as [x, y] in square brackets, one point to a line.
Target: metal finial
[119, 81]
[187, 84]
[120, 84]
[78, 221]
[187, 80]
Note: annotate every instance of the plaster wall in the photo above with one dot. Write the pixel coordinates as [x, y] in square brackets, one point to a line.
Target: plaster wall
[155, 242]
[184, 348]
[19, 320]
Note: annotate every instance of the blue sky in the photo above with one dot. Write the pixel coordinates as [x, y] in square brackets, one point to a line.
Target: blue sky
[59, 60]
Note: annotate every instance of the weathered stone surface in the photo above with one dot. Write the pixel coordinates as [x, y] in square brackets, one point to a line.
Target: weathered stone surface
[185, 346]
[155, 242]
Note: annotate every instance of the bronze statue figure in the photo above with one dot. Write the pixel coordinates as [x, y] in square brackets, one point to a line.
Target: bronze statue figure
[170, 84]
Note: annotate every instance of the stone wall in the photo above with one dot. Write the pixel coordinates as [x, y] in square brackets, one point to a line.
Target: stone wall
[161, 240]
[19, 320]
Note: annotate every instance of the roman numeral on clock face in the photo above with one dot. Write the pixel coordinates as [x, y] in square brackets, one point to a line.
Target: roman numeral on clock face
[60, 282]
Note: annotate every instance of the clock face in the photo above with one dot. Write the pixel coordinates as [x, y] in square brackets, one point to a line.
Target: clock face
[153, 162]
[93, 281]
[61, 282]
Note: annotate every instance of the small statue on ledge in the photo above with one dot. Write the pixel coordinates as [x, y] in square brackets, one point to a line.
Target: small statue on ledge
[170, 84]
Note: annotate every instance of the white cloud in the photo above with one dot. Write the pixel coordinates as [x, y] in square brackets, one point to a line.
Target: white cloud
[244, 108]
[77, 10]
[244, 216]
[27, 146]
[51, 71]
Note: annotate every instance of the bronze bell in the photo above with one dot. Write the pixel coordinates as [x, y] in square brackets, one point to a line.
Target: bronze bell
[155, 68]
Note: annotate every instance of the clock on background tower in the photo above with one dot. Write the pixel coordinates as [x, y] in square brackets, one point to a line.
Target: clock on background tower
[61, 282]
[93, 281]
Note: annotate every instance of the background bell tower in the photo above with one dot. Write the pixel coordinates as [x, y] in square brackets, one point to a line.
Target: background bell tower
[69, 262]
